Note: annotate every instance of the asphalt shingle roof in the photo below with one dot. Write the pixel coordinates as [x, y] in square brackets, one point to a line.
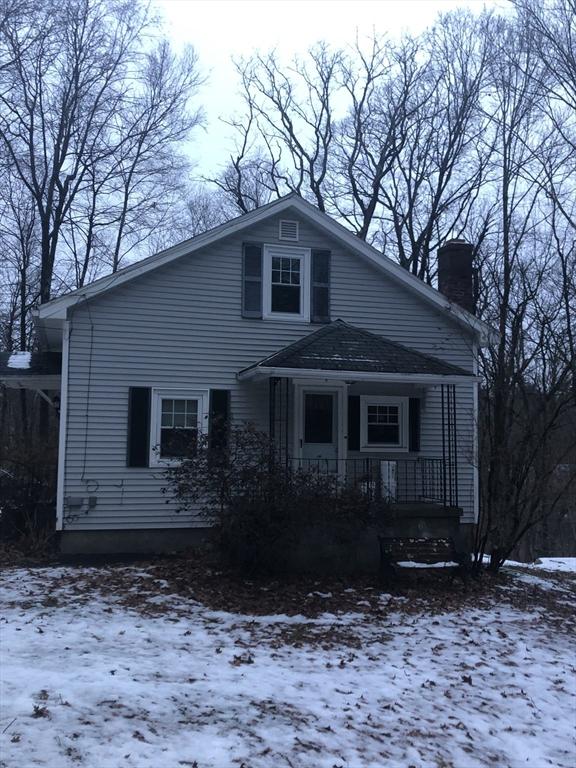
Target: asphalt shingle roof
[20, 364]
[343, 347]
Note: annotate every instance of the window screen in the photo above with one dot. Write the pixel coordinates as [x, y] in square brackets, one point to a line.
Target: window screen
[178, 427]
[383, 424]
[286, 285]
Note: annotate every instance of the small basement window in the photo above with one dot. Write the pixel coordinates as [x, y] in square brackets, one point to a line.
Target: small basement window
[177, 420]
[384, 423]
[286, 283]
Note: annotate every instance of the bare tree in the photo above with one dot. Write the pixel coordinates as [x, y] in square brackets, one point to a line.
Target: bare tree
[442, 169]
[18, 266]
[527, 374]
[89, 115]
[387, 136]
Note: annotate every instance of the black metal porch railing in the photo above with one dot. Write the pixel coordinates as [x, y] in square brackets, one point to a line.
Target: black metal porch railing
[399, 481]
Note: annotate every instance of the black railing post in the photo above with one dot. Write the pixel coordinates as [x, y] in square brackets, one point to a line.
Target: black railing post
[443, 447]
[421, 480]
[455, 446]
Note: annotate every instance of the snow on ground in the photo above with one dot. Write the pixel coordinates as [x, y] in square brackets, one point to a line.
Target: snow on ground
[92, 679]
[557, 564]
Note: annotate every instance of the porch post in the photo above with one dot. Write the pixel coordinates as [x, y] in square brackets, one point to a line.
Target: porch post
[455, 444]
[272, 382]
[444, 445]
[286, 421]
[449, 445]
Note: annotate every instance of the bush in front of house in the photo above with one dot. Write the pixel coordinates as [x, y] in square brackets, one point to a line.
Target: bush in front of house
[28, 498]
[267, 509]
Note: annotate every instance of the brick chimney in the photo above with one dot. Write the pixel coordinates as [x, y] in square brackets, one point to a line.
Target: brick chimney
[456, 274]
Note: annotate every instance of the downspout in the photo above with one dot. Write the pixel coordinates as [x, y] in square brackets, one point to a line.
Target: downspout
[62, 428]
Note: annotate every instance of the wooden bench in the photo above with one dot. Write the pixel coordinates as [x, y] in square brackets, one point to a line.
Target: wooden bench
[428, 551]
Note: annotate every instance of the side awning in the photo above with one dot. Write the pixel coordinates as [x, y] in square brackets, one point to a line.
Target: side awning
[31, 370]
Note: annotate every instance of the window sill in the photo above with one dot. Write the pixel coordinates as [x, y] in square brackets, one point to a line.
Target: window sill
[286, 317]
[384, 449]
[165, 463]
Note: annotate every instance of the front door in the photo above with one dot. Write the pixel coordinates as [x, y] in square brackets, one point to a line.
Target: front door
[319, 429]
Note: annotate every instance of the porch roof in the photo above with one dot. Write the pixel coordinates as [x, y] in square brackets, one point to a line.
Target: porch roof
[30, 370]
[340, 350]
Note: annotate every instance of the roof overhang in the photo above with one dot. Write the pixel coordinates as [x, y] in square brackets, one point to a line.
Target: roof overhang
[257, 373]
[30, 370]
[40, 382]
[58, 308]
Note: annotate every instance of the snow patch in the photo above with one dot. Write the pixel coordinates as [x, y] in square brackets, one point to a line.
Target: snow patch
[88, 682]
[559, 564]
[414, 564]
[19, 360]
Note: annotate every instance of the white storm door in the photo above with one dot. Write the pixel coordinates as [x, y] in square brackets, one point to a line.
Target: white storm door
[320, 425]
[320, 418]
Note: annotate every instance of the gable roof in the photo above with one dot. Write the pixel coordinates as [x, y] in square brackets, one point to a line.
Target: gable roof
[57, 308]
[341, 347]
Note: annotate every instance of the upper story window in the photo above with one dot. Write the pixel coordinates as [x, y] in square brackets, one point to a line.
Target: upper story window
[286, 285]
[286, 282]
[286, 278]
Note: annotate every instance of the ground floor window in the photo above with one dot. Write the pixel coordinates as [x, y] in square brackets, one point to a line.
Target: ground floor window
[177, 419]
[384, 423]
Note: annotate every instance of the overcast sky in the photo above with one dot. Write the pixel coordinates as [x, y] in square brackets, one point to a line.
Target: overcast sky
[222, 29]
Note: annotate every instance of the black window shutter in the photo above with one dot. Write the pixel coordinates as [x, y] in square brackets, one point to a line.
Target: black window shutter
[251, 280]
[219, 419]
[414, 424]
[353, 422]
[138, 452]
[320, 293]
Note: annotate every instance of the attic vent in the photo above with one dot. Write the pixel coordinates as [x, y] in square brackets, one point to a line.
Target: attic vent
[288, 230]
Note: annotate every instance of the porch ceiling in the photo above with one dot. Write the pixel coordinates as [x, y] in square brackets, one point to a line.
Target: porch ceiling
[342, 351]
[30, 370]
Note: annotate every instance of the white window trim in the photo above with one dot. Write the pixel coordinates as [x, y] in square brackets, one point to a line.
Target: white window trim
[294, 252]
[402, 403]
[203, 398]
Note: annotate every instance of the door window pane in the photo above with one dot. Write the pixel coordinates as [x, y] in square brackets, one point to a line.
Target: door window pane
[318, 418]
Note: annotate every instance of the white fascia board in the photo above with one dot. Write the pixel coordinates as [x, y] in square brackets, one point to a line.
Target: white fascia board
[57, 307]
[262, 372]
